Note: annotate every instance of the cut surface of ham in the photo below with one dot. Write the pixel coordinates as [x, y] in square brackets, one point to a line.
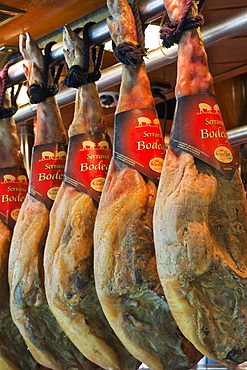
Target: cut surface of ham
[14, 353]
[69, 278]
[200, 229]
[47, 342]
[126, 278]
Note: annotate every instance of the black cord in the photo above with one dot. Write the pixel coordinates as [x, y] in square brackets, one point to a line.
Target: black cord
[200, 5]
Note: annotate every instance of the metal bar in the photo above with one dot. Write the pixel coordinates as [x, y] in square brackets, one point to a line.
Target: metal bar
[212, 34]
[98, 33]
[237, 135]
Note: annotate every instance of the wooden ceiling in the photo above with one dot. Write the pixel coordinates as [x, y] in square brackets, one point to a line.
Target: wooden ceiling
[227, 60]
[43, 17]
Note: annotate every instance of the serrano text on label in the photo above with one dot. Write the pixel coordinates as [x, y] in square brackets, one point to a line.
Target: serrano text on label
[49, 166]
[213, 122]
[97, 156]
[16, 189]
[151, 134]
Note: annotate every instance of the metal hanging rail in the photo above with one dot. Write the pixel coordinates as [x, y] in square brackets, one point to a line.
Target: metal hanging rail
[98, 33]
[149, 9]
[237, 135]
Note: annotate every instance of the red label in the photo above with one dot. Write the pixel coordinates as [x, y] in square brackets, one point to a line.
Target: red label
[138, 141]
[199, 130]
[47, 170]
[87, 162]
[13, 190]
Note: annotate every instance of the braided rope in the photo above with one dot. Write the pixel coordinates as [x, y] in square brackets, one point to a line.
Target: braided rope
[38, 93]
[4, 82]
[78, 76]
[86, 45]
[128, 53]
[139, 28]
[47, 60]
[10, 111]
[171, 32]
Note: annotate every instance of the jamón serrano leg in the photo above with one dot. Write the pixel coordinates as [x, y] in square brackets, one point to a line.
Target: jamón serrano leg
[29, 308]
[200, 228]
[126, 278]
[14, 353]
[69, 276]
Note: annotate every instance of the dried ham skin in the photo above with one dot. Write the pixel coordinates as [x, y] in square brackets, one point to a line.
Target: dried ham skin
[14, 353]
[200, 237]
[43, 335]
[126, 277]
[200, 231]
[45, 339]
[125, 271]
[68, 259]
[69, 267]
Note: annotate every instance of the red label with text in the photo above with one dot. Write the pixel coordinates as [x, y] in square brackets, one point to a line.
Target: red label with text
[13, 190]
[47, 170]
[199, 130]
[88, 161]
[138, 141]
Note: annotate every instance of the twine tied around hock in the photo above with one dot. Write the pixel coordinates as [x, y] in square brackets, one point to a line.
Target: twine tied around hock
[171, 32]
[78, 76]
[38, 93]
[10, 111]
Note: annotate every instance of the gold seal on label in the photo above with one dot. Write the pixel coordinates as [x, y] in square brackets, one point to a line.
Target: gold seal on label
[223, 154]
[98, 183]
[52, 192]
[156, 164]
[15, 213]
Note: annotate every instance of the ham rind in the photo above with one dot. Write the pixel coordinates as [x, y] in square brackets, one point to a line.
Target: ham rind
[14, 353]
[69, 278]
[46, 341]
[200, 230]
[126, 278]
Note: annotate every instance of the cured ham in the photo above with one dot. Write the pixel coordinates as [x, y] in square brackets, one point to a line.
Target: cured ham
[200, 225]
[126, 278]
[69, 278]
[29, 308]
[14, 353]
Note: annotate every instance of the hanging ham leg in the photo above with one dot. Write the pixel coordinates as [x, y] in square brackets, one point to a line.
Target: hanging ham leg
[69, 276]
[200, 226]
[126, 278]
[13, 350]
[46, 341]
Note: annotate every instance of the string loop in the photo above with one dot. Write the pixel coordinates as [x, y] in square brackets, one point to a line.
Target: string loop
[128, 53]
[171, 32]
[78, 76]
[10, 111]
[38, 93]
